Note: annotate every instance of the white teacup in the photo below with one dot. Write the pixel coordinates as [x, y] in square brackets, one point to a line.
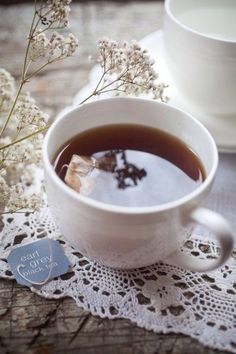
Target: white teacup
[130, 237]
[200, 43]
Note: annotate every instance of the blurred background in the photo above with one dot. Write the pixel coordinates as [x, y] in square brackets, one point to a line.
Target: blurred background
[9, 2]
[89, 21]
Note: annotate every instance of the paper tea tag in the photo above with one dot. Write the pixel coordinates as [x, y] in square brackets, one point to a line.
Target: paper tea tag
[38, 261]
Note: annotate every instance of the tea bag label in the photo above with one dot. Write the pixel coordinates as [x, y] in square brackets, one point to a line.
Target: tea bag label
[34, 262]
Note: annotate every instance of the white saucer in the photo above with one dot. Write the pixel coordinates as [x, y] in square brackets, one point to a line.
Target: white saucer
[223, 129]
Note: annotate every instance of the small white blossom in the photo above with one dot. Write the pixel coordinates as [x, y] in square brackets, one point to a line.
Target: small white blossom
[61, 47]
[23, 153]
[17, 160]
[27, 118]
[4, 190]
[14, 198]
[127, 68]
[38, 45]
[17, 200]
[28, 176]
[7, 90]
[20, 159]
[53, 48]
[28, 114]
[60, 10]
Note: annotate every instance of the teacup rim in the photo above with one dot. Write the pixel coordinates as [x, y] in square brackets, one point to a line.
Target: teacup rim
[195, 32]
[124, 209]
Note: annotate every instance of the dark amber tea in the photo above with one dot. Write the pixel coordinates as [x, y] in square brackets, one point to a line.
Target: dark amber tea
[133, 165]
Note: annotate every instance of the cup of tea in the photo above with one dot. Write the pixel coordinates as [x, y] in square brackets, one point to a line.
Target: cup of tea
[200, 45]
[153, 166]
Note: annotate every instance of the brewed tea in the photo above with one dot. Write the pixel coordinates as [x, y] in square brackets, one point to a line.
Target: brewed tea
[138, 165]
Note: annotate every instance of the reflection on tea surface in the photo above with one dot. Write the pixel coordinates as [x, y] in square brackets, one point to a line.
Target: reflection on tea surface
[131, 165]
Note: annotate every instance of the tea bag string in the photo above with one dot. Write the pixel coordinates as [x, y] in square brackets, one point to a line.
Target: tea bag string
[20, 266]
[89, 165]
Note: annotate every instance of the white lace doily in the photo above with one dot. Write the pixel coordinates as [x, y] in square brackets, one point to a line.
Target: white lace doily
[161, 297]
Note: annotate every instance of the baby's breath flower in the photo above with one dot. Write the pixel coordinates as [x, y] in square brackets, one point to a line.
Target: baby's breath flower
[38, 45]
[3, 188]
[53, 48]
[13, 198]
[23, 153]
[17, 200]
[60, 10]
[21, 121]
[4, 191]
[61, 47]
[19, 158]
[34, 202]
[71, 45]
[28, 114]
[127, 68]
[28, 176]
[7, 90]
[28, 118]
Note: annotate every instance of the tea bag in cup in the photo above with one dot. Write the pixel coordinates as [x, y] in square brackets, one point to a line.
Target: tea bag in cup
[82, 172]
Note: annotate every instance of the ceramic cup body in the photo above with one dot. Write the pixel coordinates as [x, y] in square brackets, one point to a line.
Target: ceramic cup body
[129, 237]
[200, 44]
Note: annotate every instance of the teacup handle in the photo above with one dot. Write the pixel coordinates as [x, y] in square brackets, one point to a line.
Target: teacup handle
[216, 224]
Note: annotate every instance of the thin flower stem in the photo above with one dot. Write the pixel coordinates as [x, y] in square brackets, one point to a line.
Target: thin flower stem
[87, 98]
[7, 152]
[111, 83]
[39, 20]
[12, 109]
[101, 78]
[118, 78]
[50, 27]
[42, 67]
[135, 84]
[115, 89]
[31, 35]
[98, 92]
[37, 71]
[17, 211]
[27, 68]
[25, 137]
[32, 29]
[11, 160]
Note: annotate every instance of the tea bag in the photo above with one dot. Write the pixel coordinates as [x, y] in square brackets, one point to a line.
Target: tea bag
[78, 173]
[83, 170]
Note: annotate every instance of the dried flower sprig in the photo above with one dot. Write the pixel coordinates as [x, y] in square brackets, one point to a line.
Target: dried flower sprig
[43, 50]
[126, 69]
[21, 121]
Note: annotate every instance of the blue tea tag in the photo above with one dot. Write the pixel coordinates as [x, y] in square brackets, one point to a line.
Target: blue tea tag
[38, 262]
